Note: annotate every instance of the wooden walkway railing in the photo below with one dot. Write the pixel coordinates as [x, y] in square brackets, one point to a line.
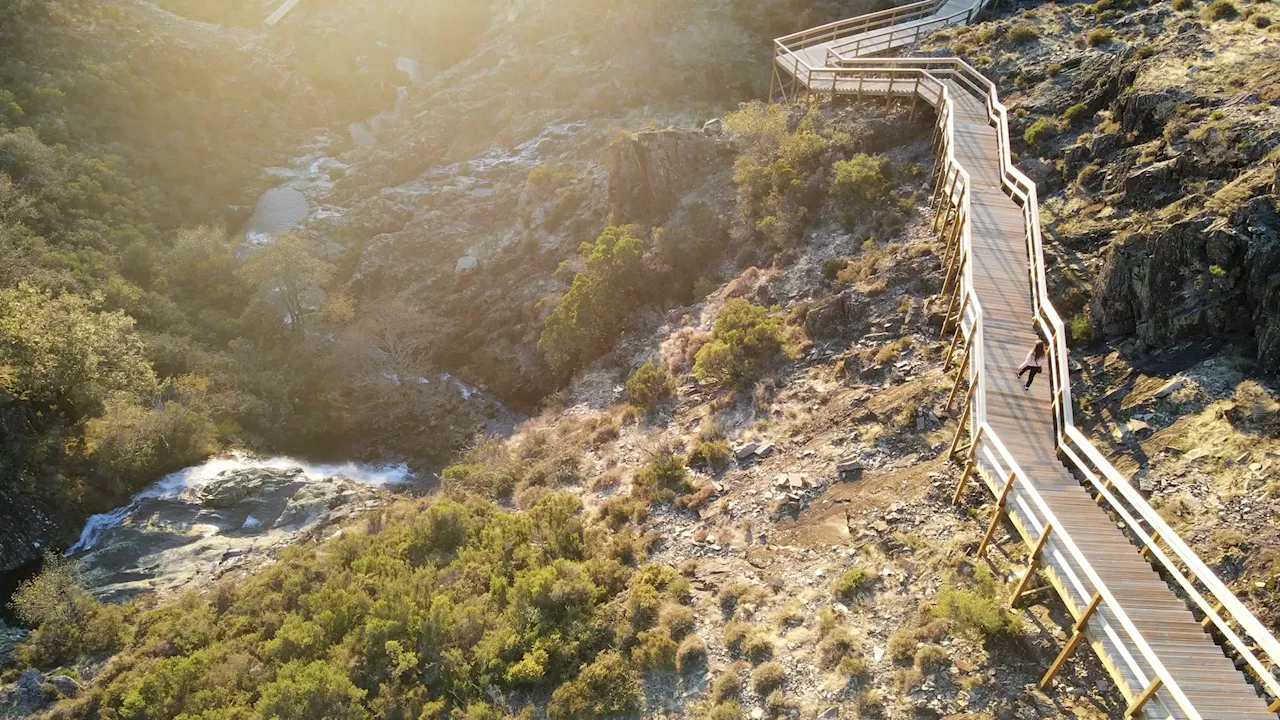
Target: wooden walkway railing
[1156, 615]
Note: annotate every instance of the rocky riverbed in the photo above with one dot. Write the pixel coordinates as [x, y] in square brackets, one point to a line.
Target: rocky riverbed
[229, 514]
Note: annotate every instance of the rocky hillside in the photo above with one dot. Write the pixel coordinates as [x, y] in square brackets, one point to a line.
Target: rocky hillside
[493, 169]
[1151, 132]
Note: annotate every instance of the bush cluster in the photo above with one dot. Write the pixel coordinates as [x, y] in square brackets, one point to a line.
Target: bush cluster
[779, 176]
[423, 618]
[648, 386]
[745, 339]
[974, 607]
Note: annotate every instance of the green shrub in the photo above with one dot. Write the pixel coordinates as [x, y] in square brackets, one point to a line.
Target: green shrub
[768, 677]
[713, 455]
[1022, 33]
[974, 609]
[619, 511]
[1052, 69]
[71, 622]
[831, 267]
[835, 647]
[310, 690]
[1090, 177]
[728, 686]
[850, 583]
[1221, 10]
[745, 339]
[902, 645]
[544, 179]
[778, 175]
[1100, 36]
[1183, 4]
[662, 478]
[932, 658]
[691, 655]
[757, 648]
[1040, 131]
[1076, 114]
[677, 619]
[648, 386]
[854, 667]
[723, 711]
[776, 704]
[655, 651]
[735, 635]
[607, 686]
[860, 179]
[1081, 329]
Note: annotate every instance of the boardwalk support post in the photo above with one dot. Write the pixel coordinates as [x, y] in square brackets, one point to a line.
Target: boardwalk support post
[999, 513]
[1208, 619]
[1275, 706]
[946, 365]
[968, 467]
[1146, 549]
[1141, 701]
[960, 371]
[1031, 565]
[1077, 634]
[964, 417]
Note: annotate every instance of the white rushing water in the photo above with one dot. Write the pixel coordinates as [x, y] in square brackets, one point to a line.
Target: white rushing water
[196, 477]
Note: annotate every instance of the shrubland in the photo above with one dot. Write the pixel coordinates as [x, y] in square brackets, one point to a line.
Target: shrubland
[453, 609]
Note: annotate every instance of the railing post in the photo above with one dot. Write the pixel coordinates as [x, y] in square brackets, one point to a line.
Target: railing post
[1031, 565]
[964, 415]
[968, 468]
[1208, 619]
[995, 517]
[1077, 634]
[948, 285]
[964, 364]
[1141, 701]
[946, 365]
[1146, 549]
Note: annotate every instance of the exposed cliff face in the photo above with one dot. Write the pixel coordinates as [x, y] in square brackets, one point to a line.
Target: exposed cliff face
[650, 171]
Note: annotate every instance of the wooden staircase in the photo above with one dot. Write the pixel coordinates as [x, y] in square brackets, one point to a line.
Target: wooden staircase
[1171, 634]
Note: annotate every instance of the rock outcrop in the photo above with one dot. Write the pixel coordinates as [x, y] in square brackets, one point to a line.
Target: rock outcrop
[651, 170]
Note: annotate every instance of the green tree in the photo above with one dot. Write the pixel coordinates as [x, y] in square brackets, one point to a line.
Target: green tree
[589, 318]
[64, 353]
[284, 272]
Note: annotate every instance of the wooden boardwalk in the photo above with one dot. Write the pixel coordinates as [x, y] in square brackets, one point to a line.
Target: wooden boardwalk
[1097, 543]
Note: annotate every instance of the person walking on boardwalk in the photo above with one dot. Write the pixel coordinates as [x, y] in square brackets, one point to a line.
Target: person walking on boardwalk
[1032, 364]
